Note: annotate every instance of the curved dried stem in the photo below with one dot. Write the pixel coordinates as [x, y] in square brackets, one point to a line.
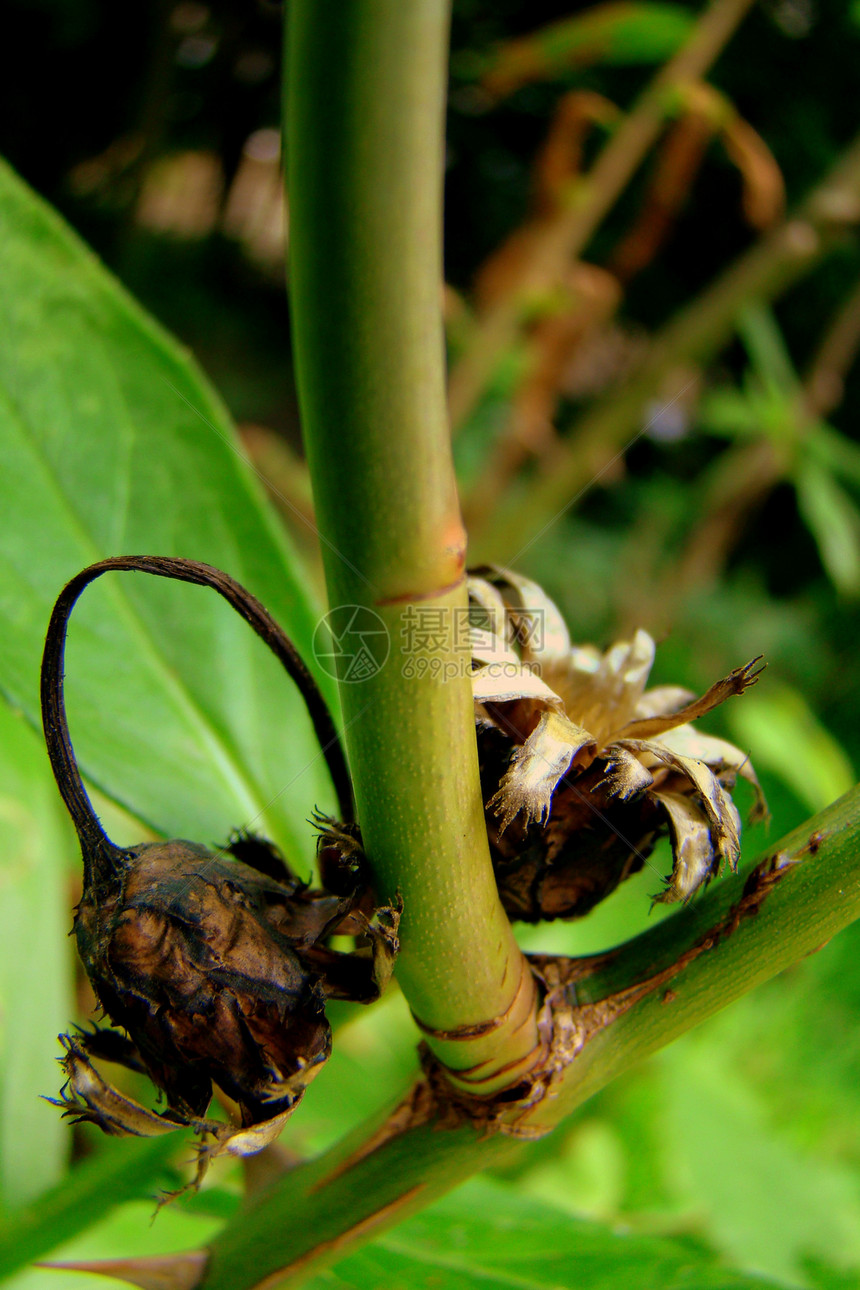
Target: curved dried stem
[60, 751]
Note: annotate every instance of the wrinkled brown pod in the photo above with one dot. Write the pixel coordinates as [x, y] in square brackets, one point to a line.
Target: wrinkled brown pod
[215, 964]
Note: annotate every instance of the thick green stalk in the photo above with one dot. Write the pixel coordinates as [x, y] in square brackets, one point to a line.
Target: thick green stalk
[785, 906]
[692, 336]
[365, 129]
[629, 1003]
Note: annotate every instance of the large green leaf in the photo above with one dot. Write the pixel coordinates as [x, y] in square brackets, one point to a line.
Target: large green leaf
[112, 442]
[766, 1200]
[35, 964]
[117, 1171]
[486, 1235]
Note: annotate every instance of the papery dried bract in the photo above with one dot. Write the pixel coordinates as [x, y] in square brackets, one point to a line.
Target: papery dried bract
[584, 768]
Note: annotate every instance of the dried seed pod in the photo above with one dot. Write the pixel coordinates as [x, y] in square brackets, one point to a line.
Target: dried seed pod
[590, 843]
[215, 964]
[583, 768]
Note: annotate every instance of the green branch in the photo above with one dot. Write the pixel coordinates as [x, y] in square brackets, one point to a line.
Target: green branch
[629, 1003]
[365, 130]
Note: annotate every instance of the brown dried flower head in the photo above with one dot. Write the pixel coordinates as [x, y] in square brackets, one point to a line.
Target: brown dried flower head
[214, 964]
[584, 768]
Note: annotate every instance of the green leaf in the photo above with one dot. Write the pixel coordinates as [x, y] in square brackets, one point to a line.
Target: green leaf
[769, 356]
[486, 1235]
[730, 413]
[619, 34]
[788, 739]
[36, 963]
[119, 1170]
[765, 1202]
[834, 522]
[835, 452]
[112, 442]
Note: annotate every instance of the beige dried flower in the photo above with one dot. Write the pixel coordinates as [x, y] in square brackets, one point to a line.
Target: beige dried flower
[584, 767]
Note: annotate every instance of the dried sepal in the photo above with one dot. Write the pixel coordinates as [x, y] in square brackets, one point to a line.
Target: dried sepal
[724, 759]
[553, 748]
[735, 683]
[694, 860]
[625, 776]
[718, 807]
[341, 861]
[87, 1097]
[381, 932]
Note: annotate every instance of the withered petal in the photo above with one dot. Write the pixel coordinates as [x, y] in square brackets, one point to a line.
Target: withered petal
[631, 661]
[663, 700]
[625, 775]
[601, 691]
[693, 855]
[553, 747]
[537, 624]
[718, 805]
[720, 756]
[735, 683]
[505, 683]
[490, 631]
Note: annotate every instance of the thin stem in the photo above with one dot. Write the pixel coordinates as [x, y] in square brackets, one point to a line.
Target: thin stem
[616, 1008]
[96, 846]
[365, 113]
[568, 235]
[746, 473]
[743, 477]
[692, 336]
[834, 358]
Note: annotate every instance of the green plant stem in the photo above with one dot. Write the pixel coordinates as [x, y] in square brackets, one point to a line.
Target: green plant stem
[365, 112]
[630, 1002]
[568, 235]
[694, 335]
[785, 906]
